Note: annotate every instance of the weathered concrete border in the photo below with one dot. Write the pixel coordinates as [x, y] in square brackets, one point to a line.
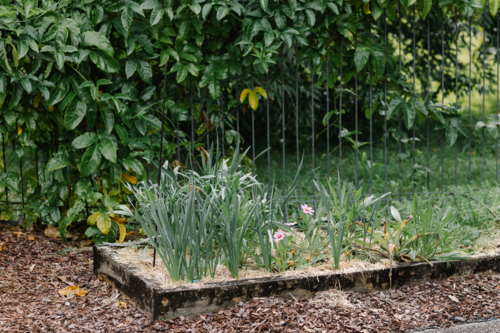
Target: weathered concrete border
[160, 303]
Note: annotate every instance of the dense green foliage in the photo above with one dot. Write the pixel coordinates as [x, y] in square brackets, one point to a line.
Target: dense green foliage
[80, 85]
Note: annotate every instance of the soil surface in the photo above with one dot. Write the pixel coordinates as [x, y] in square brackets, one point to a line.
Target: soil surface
[33, 268]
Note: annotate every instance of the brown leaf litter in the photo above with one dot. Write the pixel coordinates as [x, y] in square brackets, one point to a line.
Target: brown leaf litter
[30, 301]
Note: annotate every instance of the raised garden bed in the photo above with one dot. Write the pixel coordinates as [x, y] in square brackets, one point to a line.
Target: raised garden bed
[161, 303]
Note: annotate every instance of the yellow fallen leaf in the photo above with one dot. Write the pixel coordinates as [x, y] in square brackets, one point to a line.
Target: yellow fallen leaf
[3, 248]
[18, 233]
[31, 237]
[75, 290]
[121, 305]
[19, 130]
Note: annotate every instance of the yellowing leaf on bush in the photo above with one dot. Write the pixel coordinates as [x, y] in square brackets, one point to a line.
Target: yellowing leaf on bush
[253, 100]
[6, 215]
[261, 91]
[75, 290]
[131, 179]
[36, 100]
[244, 94]
[102, 220]
[19, 130]
[123, 232]
[366, 8]
[93, 218]
[121, 305]
[104, 224]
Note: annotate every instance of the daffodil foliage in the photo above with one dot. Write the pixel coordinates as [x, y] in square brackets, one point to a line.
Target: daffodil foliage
[81, 84]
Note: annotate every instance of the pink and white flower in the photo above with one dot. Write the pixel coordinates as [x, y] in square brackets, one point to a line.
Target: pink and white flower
[290, 224]
[307, 210]
[278, 235]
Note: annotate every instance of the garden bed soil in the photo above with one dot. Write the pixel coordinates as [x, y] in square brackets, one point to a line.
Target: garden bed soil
[164, 303]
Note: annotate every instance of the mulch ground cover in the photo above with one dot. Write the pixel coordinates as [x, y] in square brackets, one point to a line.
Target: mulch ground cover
[33, 268]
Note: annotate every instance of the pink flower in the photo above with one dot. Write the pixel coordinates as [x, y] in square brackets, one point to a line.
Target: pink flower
[306, 209]
[279, 235]
[290, 224]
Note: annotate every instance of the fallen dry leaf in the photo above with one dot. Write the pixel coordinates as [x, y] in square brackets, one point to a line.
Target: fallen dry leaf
[75, 290]
[121, 305]
[453, 298]
[31, 237]
[18, 233]
[3, 248]
[62, 278]
[53, 232]
[32, 267]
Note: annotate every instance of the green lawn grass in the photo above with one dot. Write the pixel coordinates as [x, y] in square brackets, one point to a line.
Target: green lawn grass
[396, 180]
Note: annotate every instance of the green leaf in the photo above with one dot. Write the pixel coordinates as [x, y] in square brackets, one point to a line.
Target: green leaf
[57, 94]
[206, 10]
[108, 149]
[196, 8]
[145, 71]
[264, 4]
[451, 134]
[361, 56]
[122, 134]
[183, 29]
[90, 161]
[59, 161]
[130, 67]
[311, 17]
[111, 200]
[91, 115]
[74, 114]
[105, 62]
[93, 38]
[408, 114]
[375, 9]
[115, 173]
[268, 38]
[145, 43]
[157, 15]
[84, 140]
[493, 129]
[108, 118]
[419, 105]
[493, 7]
[136, 166]
[333, 8]
[126, 18]
[394, 106]
[428, 6]
[379, 61]
[222, 12]
[16, 95]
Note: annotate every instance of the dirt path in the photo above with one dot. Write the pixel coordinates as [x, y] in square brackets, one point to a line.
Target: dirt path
[33, 268]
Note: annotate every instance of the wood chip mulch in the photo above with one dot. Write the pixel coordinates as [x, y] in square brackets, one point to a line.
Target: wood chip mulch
[33, 268]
